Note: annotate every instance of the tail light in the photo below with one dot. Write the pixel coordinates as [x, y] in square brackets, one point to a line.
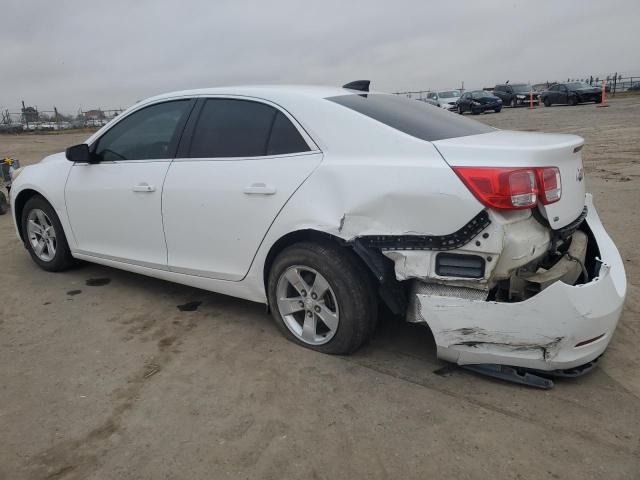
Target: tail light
[512, 188]
[502, 188]
[549, 184]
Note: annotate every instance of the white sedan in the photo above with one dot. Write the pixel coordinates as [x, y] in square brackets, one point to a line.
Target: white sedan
[325, 202]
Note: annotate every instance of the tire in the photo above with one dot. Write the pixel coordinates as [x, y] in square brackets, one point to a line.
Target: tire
[460, 110]
[573, 101]
[547, 102]
[475, 111]
[55, 256]
[498, 110]
[4, 205]
[513, 103]
[349, 294]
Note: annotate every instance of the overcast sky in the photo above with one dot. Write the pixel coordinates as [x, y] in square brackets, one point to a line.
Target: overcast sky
[86, 54]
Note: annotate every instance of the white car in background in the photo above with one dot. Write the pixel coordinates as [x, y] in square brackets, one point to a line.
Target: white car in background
[445, 98]
[324, 202]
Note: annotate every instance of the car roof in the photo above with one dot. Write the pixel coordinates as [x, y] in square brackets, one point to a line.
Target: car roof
[262, 91]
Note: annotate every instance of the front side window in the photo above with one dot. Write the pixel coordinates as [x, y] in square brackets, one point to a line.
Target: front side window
[243, 128]
[149, 133]
[413, 118]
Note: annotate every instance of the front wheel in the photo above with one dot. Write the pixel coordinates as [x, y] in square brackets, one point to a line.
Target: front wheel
[43, 235]
[460, 110]
[547, 102]
[498, 110]
[322, 297]
[514, 103]
[573, 101]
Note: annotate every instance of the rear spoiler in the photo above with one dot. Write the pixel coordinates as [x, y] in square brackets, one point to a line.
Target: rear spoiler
[360, 85]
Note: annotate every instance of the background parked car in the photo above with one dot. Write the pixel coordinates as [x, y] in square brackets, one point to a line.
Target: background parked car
[429, 101]
[478, 101]
[445, 99]
[571, 93]
[635, 87]
[515, 94]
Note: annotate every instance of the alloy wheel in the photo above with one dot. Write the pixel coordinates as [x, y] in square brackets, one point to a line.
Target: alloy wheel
[42, 235]
[308, 305]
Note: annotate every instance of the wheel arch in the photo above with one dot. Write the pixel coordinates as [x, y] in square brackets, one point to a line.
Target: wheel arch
[289, 239]
[21, 200]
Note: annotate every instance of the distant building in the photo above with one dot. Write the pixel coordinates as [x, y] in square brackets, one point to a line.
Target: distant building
[94, 115]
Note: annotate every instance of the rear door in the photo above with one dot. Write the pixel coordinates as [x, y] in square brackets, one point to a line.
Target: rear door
[238, 165]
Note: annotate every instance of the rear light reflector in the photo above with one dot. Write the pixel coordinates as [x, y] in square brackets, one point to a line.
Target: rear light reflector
[549, 184]
[501, 188]
[512, 188]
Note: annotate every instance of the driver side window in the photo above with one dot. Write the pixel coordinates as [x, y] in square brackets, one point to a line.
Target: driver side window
[147, 134]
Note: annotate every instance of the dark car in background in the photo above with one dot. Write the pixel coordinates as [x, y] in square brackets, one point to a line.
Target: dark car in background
[515, 94]
[478, 101]
[571, 93]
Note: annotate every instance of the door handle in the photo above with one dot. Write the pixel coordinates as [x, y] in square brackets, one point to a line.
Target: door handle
[144, 187]
[259, 189]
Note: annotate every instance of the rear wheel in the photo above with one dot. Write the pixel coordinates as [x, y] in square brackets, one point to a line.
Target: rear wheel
[43, 235]
[573, 100]
[322, 297]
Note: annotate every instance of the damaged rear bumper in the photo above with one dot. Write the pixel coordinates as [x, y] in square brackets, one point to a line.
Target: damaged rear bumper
[560, 328]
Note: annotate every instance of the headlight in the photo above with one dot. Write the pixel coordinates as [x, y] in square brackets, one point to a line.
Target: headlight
[15, 173]
[519, 96]
[475, 103]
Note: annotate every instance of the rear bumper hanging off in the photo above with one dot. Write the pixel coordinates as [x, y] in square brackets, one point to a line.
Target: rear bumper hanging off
[561, 328]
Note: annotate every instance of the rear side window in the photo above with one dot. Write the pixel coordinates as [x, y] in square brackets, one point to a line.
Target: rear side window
[149, 133]
[243, 128]
[414, 118]
[285, 138]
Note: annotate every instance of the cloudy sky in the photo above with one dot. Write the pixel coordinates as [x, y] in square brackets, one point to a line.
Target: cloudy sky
[85, 54]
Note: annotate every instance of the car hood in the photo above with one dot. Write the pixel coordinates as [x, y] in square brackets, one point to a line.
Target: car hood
[485, 100]
[448, 100]
[56, 157]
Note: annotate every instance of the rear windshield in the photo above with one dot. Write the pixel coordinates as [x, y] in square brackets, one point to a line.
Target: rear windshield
[418, 119]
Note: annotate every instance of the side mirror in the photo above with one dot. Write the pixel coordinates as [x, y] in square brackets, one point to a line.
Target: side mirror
[79, 153]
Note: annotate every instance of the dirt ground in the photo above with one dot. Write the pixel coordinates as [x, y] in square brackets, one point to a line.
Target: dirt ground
[114, 381]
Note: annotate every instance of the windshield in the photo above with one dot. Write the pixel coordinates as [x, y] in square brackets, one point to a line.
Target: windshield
[449, 94]
[418, 119]
[521, 88]
[578, 85]
[480, 94]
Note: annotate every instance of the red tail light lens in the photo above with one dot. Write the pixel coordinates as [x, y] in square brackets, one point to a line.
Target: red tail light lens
[512, 188]
[549, 184]
[502, 188]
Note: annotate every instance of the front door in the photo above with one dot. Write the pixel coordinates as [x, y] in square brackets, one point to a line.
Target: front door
[244, 160]
[114, 203]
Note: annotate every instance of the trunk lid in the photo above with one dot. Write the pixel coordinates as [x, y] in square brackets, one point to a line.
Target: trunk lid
[504, 148]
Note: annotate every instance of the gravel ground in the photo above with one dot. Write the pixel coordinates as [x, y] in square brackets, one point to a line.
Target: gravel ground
[110, 379]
